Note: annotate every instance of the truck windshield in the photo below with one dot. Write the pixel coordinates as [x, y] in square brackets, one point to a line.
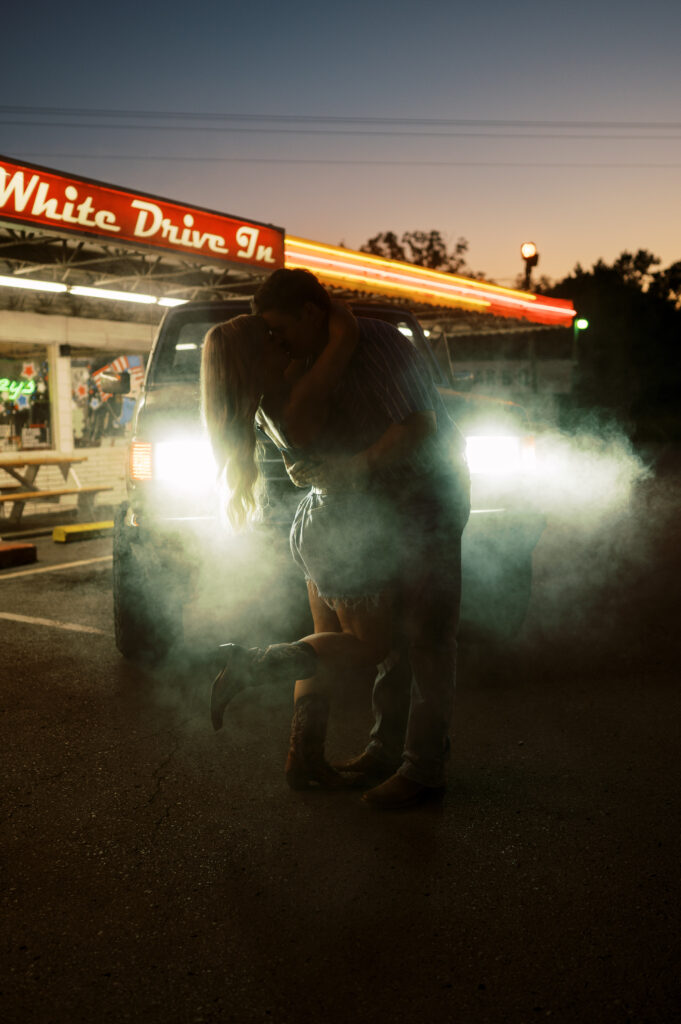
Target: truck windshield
[177, 355]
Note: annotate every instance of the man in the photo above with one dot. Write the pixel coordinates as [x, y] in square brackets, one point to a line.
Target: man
[420, 463]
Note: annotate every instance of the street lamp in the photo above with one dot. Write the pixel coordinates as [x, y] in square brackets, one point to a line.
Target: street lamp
[578, 324]
[528, 251]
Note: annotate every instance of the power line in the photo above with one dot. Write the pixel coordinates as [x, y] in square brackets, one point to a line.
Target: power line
[336, 119]
[330, 131]
[378, 163]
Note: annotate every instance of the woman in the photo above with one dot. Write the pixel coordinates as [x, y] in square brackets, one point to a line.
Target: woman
[248, 377]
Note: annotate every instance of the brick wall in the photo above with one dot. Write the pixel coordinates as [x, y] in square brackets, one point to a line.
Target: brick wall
[104, 466]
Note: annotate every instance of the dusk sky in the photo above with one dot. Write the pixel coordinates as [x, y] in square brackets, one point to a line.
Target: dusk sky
[557, 123]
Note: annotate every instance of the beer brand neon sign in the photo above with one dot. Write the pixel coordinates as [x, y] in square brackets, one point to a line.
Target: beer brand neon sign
[14, 388]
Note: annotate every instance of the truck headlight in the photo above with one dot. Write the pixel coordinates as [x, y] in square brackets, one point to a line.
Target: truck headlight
[185, 465]
[500, 455]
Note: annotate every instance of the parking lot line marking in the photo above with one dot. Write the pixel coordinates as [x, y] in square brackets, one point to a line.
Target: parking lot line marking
[50, 622]
[52, 568]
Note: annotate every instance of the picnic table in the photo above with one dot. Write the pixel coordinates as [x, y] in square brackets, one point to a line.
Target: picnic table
[23, 468]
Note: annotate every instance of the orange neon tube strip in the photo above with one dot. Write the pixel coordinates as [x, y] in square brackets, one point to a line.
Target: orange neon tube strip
[406, 279]
[404, 275]
[352, 256]
[336, 262]
[408, 287]
[401, 287]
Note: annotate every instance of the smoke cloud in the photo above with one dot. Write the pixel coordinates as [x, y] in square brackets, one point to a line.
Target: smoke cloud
[598, 595]
[568, 593]
[587, 476]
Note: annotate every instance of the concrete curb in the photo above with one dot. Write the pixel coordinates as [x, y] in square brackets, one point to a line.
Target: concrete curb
[81, 531]
[17, 554]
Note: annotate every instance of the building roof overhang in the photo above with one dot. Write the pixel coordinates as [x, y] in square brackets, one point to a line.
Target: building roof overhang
[37, 247]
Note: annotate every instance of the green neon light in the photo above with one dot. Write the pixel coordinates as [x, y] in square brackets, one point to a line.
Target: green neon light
[14, 388]
[581, 324]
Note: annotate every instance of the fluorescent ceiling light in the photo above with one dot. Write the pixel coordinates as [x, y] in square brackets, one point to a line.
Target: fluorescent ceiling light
[105, 293]
[92, 293]
[27, 282]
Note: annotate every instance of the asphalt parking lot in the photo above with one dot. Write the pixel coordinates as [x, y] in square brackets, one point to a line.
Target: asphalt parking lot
[155, 871]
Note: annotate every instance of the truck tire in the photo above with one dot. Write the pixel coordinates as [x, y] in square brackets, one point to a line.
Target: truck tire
[147, 622]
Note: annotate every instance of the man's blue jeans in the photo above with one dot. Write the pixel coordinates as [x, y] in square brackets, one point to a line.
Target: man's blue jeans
[413, 694]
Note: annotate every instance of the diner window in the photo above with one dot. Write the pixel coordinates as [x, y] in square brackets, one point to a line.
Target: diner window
[99, 418]
[25, 414]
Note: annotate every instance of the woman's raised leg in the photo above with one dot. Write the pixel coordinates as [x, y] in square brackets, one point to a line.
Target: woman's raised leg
[306, 762]
[363, 641]
[345, 639]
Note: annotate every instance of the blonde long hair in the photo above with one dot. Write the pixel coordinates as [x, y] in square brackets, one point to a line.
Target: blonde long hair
[231, 390]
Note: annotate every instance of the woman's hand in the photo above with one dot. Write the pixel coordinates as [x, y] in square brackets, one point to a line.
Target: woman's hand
[338, 473]
[302, 472]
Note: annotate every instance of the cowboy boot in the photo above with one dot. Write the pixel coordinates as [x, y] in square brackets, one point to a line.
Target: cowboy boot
[306, 762]
[247, 667]
[365, 769]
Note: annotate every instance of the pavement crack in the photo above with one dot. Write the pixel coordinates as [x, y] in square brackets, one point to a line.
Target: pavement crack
[159, 777]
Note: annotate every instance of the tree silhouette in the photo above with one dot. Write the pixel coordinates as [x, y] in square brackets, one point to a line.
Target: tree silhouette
[423, 248]
[630, 356]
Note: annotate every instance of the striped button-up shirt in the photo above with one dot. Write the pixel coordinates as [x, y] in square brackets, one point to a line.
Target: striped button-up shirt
[386, 381]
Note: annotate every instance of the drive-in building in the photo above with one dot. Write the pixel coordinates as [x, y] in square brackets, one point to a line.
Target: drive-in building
[87, 270]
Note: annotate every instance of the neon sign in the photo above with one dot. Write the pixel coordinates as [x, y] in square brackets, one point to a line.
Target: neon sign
[365, 272]
[14, 388]
[33, 195]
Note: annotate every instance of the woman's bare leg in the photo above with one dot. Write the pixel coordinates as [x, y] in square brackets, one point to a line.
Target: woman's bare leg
[347, 638]
[353, 636]
[324, 620]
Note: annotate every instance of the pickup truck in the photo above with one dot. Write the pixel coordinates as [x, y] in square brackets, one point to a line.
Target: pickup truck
[172, 545]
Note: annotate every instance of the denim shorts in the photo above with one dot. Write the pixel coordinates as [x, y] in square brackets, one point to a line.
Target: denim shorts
[348, 544]
[354, 546]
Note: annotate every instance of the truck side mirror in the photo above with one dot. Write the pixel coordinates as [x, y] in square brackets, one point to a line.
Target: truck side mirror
[115, 383]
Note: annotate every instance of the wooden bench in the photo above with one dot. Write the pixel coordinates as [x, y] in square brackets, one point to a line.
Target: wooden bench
[86, 496]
